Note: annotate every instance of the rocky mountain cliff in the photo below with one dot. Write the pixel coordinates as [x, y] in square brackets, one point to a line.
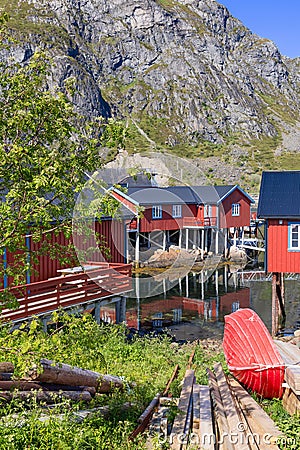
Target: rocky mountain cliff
[186, 72]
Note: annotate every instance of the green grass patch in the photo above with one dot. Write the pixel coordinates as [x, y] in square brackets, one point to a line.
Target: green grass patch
[80, 341]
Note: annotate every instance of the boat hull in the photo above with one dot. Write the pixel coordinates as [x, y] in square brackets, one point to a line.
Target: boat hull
[251, 354]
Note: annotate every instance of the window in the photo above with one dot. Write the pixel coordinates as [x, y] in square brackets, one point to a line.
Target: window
[156, 212]
[235, 209]
[294, 236]
[207, 211]
[176, 211]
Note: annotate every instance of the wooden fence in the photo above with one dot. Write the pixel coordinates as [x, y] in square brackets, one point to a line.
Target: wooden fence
[65, 291]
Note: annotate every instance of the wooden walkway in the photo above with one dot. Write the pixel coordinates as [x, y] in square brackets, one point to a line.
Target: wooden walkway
[220, 416]
[69, 290]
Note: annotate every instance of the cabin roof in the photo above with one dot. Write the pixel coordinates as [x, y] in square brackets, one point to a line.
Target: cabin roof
[216, 194]
[279, 195]
[183, 194]
[156, 195]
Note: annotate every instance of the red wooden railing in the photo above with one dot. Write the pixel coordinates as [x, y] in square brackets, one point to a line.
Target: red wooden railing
[194, 222]
[65, 291]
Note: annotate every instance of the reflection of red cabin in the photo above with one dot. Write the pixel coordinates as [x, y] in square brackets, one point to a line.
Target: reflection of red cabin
[165, 310]
[279, 205]
[232, 301]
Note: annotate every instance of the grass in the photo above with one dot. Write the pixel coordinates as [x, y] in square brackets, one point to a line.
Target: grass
[79, 341]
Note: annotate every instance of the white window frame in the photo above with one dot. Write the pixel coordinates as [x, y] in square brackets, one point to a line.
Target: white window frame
[177, 211]
[207, 211]
[235, 209]
[156, 212]
[294, 236]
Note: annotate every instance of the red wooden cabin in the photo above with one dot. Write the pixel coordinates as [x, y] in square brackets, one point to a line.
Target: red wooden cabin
[279, 205]
[187, 216]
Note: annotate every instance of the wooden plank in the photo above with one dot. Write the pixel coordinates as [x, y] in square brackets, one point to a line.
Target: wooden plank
[258, 420]
[290, 353]
[236, 428]
[196, 408]
[291, 401]
[292, 377]
[206, 432]
[178, 433]
[251, 439]
[221, 419]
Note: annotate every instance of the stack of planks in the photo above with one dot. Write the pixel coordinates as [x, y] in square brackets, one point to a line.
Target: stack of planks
[221, 415]
[55, 381]
[291, 356]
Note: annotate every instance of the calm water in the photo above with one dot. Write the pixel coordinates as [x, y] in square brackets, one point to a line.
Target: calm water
[200, 299]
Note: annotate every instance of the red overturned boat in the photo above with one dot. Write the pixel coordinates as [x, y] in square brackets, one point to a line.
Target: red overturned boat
[251, 355]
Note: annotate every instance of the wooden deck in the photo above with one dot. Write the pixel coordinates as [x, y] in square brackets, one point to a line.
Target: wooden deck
[193, 222]
[69, 290]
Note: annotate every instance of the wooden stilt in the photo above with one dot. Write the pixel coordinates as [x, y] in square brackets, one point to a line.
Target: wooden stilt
[187, 239]
[275, 306]
[202, 243]
[278, 309]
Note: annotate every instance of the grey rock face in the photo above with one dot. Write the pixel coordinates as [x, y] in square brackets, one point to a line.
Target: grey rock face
[187, 61]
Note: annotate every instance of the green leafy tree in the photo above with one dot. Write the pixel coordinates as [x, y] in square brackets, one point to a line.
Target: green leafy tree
[46, 149]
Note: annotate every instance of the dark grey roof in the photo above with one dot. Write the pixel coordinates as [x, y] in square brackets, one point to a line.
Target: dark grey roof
[182, 194]
[170, 195]
[279, 195]
[185, 193]
[212, 194]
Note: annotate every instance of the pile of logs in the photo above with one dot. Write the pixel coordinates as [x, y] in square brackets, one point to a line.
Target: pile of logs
[55, 381]
[221, 415]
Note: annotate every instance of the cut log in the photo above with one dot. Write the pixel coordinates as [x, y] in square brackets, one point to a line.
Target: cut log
[74, 376]
[6, 367]
[6, 376]
[19, 384]
[47, 397]
[65, 387]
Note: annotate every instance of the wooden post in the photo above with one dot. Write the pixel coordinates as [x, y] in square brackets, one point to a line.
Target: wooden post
[278, 309]
[217, 241]
[202, 242]
[137, 249]
[164, 240]
[187, 239]
[187, 285]
[180, 238]
[225, 242]
[195, 239]
[206, 240]
[97, 313]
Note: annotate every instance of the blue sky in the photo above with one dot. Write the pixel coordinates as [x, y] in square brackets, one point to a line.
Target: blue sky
[277, 20]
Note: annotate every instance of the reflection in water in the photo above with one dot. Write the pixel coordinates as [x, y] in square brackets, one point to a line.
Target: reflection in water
[198, 298]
